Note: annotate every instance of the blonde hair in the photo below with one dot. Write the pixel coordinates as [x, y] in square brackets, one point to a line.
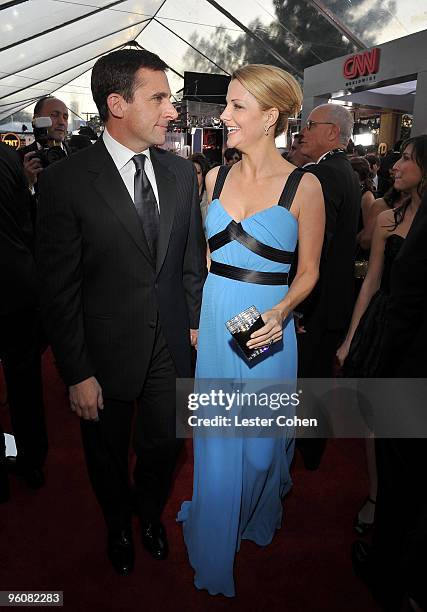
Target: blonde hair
[272, 87]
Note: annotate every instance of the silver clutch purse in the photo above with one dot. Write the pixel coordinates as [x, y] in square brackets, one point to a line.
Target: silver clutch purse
[242, 326]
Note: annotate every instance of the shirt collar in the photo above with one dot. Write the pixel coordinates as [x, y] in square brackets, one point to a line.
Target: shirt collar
[327, 154]
[121, 155]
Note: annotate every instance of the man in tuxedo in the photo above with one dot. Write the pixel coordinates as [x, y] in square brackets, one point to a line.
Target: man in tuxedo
[396, 563]
[121, 252]
[19, 326]
[54, 108]
[327, 311]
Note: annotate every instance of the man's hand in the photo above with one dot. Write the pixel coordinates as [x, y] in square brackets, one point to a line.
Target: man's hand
[32, 167]
[86, 399]
[194, 336]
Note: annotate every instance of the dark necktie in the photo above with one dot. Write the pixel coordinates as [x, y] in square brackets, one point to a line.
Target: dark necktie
[146, 204]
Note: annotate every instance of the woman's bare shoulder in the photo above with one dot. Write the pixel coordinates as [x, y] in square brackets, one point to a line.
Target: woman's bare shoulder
[379, 205]
[386, 216]
[311, 183]
[309, 191]
[385, 221]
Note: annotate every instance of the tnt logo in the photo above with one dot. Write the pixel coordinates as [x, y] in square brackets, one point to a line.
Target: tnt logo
[362, 64]
[12, 140]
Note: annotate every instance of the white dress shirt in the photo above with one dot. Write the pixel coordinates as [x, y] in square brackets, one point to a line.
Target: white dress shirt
[122, 157]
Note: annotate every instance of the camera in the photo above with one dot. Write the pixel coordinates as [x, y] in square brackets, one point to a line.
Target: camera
[49, 153]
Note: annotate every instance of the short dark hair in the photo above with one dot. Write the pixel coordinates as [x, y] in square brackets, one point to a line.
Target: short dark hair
[360, 150]
[115, 73]
[231, 152]
[39, 104]
[372, 160]
[79, 141]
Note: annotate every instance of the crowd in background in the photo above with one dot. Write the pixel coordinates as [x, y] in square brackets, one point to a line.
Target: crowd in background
[386, 205]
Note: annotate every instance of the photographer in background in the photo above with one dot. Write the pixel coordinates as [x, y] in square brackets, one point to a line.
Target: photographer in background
[20, 328]
[46, 137]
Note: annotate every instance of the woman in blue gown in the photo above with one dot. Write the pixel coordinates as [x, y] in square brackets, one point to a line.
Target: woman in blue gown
[259, 209]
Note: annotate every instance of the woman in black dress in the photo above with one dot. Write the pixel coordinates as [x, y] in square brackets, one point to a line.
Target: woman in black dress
[361, 348]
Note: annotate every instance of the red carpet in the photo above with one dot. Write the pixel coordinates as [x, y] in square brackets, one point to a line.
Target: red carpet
[55, 539]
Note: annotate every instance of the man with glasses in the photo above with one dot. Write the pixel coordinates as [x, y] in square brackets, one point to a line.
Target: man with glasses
[327, 311]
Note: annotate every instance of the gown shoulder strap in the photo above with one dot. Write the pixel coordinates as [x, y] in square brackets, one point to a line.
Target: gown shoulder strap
[290, 188]
[220, 180]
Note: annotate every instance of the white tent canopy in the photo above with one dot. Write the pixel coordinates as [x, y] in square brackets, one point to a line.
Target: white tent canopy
[50, 46]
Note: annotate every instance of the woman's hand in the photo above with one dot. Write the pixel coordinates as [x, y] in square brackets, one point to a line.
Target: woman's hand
[271, 332]
[342, 353]
[194, 337]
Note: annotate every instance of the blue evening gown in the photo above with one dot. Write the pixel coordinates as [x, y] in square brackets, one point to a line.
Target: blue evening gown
[239, 482]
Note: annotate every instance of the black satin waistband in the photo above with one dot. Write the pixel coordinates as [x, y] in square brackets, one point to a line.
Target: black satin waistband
[249, 276]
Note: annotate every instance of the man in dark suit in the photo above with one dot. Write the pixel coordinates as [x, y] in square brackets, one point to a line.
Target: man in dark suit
[327, 311]
[396, 563]
[121, 253]
[19, 324]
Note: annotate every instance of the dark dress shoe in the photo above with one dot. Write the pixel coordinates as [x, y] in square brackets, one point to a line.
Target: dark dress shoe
[32, 476]
[121, 552]
[154, 540]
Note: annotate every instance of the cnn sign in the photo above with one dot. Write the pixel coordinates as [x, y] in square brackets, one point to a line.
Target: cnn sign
[362, 64]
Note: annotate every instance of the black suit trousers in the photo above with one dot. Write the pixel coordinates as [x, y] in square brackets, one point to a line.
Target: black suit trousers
[317, 348]
[316, 357]
[20, 351]
[106, 445]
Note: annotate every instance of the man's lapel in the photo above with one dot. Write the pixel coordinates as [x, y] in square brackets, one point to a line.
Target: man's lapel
[166, 186]
[112, 189]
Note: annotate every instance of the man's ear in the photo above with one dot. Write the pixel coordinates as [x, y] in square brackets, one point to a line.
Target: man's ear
[335, 132]
[116, 105]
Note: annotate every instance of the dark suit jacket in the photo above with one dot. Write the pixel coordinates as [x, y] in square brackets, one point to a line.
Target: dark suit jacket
[24, 150]
[405, 338]
[331, 302]
[17, 266]
[101, 291]
[34, 196]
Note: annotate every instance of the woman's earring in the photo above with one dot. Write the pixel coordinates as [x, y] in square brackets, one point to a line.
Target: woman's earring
[266, 129]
